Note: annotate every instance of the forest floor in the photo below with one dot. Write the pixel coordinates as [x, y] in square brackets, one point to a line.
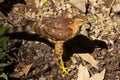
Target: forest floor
[32, 57]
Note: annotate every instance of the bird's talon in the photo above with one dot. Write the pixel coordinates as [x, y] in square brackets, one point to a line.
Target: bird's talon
[64, 69]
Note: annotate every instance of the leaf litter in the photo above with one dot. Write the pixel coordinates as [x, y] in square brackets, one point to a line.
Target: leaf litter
[104, 25]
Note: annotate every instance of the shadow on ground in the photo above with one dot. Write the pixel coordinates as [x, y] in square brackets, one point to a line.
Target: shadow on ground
[81, 44]
[78, 44]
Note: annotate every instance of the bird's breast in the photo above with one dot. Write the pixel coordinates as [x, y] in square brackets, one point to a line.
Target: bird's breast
[54, 28]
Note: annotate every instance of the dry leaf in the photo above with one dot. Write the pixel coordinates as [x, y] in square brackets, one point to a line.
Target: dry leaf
[37, 3]
[92, 0]
[17, 74]
[40, 3]
[98, 76]
[116, 8]
[80, 4]
[83, 73]
[87, 57]
[57, 2]
[101, 2]
[26, 69]
[109, 3]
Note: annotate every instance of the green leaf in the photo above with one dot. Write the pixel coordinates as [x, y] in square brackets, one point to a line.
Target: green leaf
[2, 55]
[46, 1]
[4, 64]
[1, 50]
[3, 41]
[3, 29]
[3, 75]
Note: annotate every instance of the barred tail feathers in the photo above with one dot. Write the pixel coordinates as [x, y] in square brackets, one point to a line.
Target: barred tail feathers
[27, 29]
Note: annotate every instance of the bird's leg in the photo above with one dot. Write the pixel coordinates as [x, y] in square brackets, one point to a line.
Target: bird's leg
[59, 52]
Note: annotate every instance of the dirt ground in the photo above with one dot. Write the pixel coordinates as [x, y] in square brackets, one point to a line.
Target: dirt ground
[100, 37]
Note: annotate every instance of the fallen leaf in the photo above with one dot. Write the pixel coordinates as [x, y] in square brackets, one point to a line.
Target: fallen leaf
[92, 0]
[101, 2]
[87, 57]
[116, 8]
[109, 3]
[26, 69]
[80, 4]
[98, 76]
[83, 73]
[37, 3]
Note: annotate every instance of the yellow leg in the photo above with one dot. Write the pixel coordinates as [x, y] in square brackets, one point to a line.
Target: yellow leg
[64, 69]
[59, 52]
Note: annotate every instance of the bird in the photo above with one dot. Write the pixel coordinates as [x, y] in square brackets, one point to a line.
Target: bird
[57, 30]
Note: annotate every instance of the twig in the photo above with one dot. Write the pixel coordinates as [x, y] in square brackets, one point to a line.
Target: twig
[7, 18]
[117, 30]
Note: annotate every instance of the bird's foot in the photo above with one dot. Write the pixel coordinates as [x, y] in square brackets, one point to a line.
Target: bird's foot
[64, 69]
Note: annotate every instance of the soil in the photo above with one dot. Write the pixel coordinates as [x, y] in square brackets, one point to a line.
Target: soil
[100, 37]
